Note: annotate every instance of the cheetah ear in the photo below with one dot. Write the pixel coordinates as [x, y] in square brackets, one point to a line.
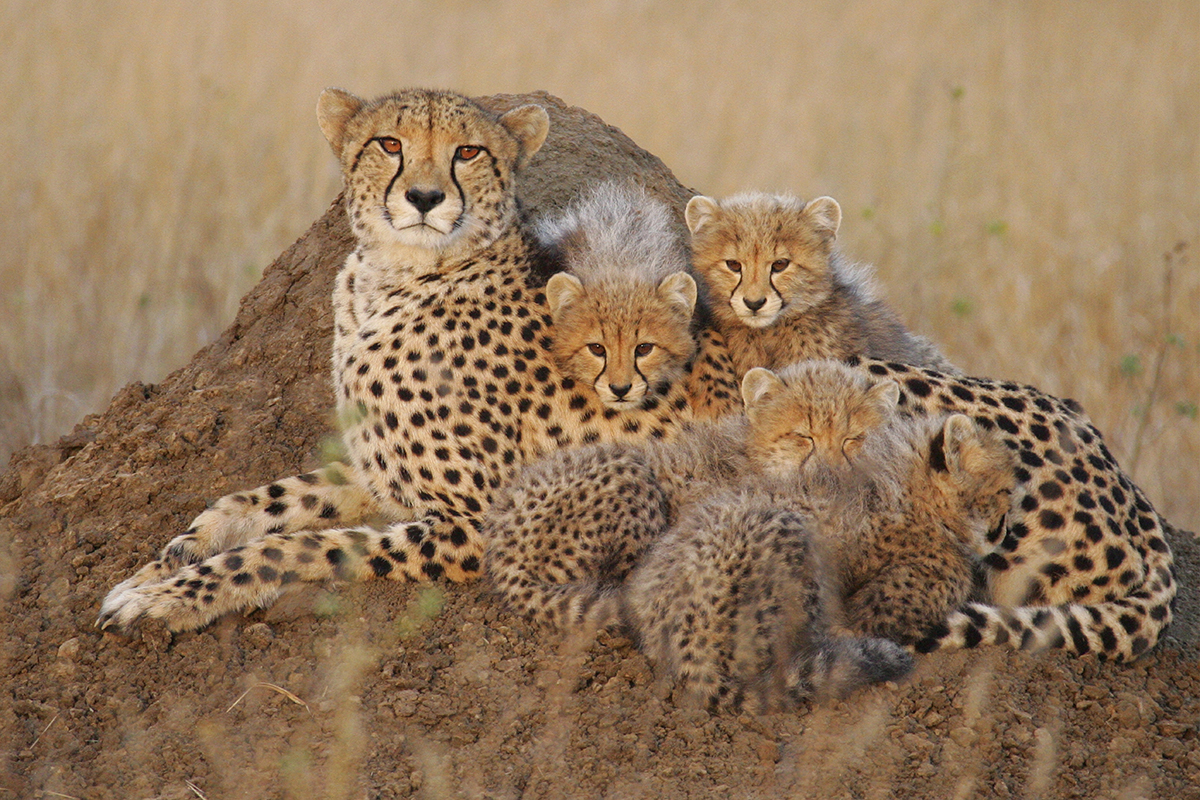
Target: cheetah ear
[700, 209]
[886, 394]
[334, 109]
[679, 289]
[758, 384]
[958, 434]
[825, 215]
[530, 124]
[562, 289]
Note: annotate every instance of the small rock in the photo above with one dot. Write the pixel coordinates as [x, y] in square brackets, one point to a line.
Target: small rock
[68, 650]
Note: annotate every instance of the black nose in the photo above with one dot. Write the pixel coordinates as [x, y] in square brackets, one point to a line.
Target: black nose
[424, 200]
[620, 391]
[755, 305]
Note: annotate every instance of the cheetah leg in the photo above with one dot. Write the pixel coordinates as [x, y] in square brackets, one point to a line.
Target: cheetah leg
[906, 598]
[254, 575]
[323, 498]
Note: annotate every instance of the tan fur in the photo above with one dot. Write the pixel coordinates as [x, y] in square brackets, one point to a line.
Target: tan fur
[780, 291]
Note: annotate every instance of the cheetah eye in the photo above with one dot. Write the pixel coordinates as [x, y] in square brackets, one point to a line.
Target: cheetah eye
[734, 266]
[852, 443]
[466, 152]
[780, 265]
[596, 349]
[389, 144]
[643, 349]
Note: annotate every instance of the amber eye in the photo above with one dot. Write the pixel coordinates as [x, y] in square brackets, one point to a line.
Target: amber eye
[734, 266]
[466, 152]
[643, 349]
[389, 144]
[596, 349]
[780, 265]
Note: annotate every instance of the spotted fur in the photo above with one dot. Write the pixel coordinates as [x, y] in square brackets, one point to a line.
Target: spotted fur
[1081, 562]
[442, 367]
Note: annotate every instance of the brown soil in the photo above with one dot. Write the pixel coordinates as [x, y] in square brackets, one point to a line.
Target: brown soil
[391, 690]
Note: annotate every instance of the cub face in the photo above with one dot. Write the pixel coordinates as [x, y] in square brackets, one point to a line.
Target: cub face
[762, 257]
[428, 171]
[813, 415]
[628, 344]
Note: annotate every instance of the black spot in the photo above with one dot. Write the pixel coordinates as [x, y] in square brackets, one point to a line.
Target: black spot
[937, 452]
[1015, 403]
[241, 578]
[1051, 520]
[266, 574]
[380, 566]
[233, 562]
[275, 490]
[918, 387]
[1114, 557]
[1050, 490]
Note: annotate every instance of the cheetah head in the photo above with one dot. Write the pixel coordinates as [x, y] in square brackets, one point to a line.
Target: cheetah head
[629, 344]
[814, 415]
[428, 174]
[763, 256]
[969, 471]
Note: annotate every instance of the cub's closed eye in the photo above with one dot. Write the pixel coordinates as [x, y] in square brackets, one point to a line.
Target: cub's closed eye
[779, 265]
[467, 152]
[733, 266]
[389, 144]
[596, 349]
[643, 349]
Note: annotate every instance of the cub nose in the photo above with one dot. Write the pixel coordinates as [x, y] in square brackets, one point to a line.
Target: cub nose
[620, 391]
[755, 305]
[424, 200]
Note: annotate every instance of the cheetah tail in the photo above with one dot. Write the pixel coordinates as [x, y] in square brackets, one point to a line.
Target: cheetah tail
[1119, 630]
[842, 664]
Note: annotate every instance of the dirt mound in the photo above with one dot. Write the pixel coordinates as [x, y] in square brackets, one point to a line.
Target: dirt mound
[387, 690]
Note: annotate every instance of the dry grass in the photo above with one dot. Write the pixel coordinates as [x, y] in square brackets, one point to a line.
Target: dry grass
[1016, 171]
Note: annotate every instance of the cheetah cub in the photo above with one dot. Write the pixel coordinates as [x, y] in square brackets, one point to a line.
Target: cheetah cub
[622, 309]
[747, 599]
[913, 564]
[565, 533]
[780, 291]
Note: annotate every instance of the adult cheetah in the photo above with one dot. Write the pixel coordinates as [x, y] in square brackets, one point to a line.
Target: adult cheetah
[442, 366]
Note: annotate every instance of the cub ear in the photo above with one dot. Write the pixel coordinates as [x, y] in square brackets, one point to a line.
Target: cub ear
[334, 109]
[562, 289]
[530, 124]
[886, 394]
[759, 384]
[700, 209]
[825, 215]
[679, 289]
[959, 434]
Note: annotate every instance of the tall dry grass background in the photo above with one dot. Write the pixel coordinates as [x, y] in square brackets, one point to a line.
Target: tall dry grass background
[1020, 173]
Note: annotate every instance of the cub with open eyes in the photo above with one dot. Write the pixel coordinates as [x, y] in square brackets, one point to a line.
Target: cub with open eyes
[780, 291]
[622, 310]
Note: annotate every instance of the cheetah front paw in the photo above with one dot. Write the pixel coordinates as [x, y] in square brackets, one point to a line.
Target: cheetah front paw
[128, 604]
[124, 606]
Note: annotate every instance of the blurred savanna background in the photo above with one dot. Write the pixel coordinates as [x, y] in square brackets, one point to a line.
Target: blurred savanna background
[1024, 176]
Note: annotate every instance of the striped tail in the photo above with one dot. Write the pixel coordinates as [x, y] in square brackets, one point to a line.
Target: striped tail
[1118, 630]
